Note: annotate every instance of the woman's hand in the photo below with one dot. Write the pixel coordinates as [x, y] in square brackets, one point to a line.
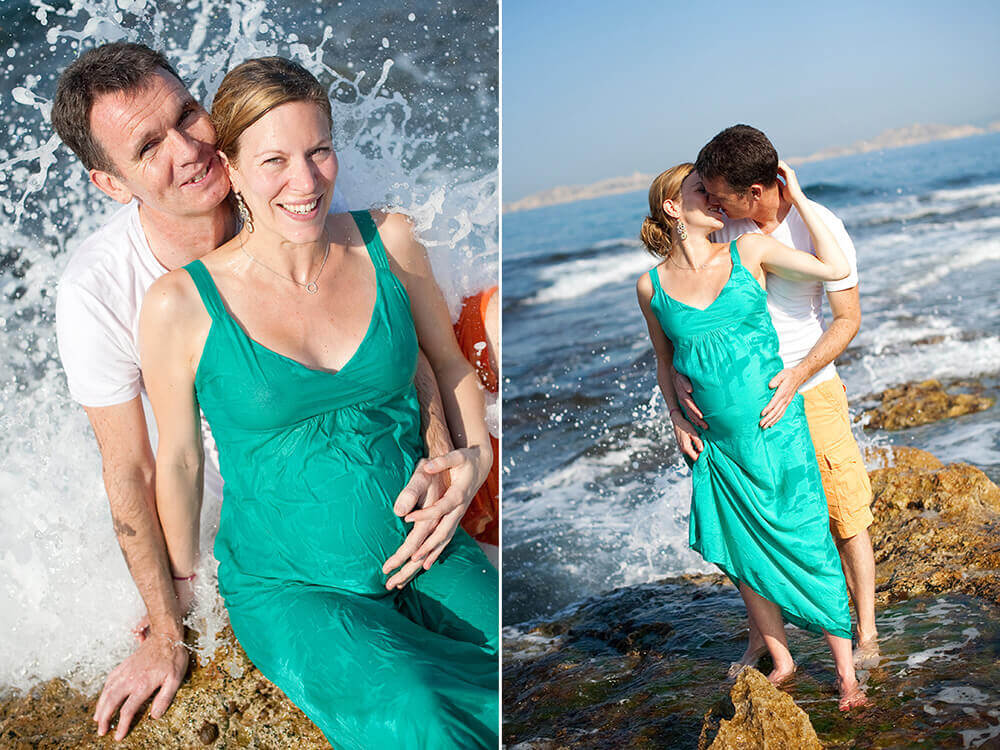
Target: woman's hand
[686, 436]
[792, 187]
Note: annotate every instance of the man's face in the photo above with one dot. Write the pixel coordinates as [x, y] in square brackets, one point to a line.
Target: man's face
[722, 195]
[162, 144]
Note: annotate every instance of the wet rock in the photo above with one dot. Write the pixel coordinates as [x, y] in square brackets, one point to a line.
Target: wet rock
[756, 714]
[637, 667]
[225, 703]
[919, 403]
[937, 528]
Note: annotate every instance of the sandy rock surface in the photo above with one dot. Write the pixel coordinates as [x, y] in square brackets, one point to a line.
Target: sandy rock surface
[756, 714]
[227, 703]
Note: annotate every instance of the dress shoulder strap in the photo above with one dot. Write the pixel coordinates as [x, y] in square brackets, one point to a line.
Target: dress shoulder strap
[370, 235]
[206, 288]
[654, 276]
[734, 254]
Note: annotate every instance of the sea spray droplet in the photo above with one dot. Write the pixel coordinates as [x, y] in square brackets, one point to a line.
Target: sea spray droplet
[23, 96]
[385, 43]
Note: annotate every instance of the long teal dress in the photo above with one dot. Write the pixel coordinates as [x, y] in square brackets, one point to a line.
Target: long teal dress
[313, 461]
[758, 510]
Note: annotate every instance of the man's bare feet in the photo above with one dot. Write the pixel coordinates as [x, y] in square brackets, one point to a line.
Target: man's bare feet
[782, 674]
[749, 659]
[866, 654]
[851, 695]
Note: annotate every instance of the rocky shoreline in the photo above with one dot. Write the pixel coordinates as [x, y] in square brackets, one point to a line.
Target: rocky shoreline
[643, 666]
[226, 703]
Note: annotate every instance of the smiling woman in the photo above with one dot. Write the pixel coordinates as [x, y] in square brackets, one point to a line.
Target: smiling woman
[312, 404]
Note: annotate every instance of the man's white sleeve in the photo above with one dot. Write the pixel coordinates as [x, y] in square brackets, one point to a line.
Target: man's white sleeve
[96, 349]
[836, 227]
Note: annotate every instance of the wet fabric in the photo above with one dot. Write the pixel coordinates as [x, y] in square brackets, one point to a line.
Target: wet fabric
[482, 519]
[313, 461]
[757, 508]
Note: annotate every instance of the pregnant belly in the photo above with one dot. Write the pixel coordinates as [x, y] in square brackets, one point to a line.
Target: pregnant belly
[334, 527]
[733, 407]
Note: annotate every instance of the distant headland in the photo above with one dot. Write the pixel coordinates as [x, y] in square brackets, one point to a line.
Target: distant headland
[894, 138]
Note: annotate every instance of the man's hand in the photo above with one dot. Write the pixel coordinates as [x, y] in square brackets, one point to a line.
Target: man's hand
[687, 437]
[682, 387]
[423, 490]
[787, 384]
[159, 663]
[437, 519]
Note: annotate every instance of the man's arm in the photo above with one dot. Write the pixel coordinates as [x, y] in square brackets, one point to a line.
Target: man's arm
[845, 306]
[424, 488]
[129, 474]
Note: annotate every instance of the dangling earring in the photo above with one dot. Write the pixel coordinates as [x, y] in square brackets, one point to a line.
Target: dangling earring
[246, 218]
[681, 230]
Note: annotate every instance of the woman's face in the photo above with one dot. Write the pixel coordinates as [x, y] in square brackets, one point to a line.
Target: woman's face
[286, 170]
[696, 208]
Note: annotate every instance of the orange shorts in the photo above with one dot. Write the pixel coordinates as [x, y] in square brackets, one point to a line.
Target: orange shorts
[845, 479]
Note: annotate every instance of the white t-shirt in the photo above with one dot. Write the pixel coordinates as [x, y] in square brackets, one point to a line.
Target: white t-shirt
[97, 322]
[796, 307]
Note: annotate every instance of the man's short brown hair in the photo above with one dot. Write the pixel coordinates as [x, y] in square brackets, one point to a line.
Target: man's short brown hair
[108, 69]
[742, 155]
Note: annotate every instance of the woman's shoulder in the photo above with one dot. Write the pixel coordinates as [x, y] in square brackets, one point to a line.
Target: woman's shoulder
[644, 284]
[397, 231]
[172, 299]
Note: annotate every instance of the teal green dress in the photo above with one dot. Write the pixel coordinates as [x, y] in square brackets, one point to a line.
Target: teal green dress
[758, 510]
[313, 461]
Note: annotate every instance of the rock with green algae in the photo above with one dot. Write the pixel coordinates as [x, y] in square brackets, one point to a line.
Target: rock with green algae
[226, 703]
[920, 403]
[636, 667]
[755, 715]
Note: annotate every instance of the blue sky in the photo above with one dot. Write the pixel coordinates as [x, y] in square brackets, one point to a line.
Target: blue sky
[596, 89]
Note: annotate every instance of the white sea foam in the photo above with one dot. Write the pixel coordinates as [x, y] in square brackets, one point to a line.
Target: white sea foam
[578, 278]
[950, 358]
[935, 203]
[67, 601]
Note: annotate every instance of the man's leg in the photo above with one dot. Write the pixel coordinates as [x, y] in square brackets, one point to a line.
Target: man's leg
[848, 494]
[858, 560]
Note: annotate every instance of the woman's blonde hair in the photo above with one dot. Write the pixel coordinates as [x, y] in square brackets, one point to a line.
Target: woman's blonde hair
[657, 232]
[253, 88]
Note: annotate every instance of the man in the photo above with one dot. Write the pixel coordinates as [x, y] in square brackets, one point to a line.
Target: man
[148, 144]
[738, 168]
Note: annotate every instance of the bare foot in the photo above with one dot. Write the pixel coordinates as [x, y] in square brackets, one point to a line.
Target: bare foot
[749, 659]
[851, 695]
[866, 654]
[779, 676]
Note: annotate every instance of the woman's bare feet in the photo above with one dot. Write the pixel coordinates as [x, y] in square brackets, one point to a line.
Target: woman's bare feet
[851, 695]
[750, 658]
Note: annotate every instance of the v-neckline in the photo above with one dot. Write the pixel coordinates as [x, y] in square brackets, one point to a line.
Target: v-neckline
[732, 271]
[285, 357]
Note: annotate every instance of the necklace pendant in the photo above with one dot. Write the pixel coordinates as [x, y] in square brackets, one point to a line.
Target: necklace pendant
[312, 288]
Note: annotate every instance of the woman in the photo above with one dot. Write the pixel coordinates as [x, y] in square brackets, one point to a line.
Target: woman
[298, 339]
[757, 510]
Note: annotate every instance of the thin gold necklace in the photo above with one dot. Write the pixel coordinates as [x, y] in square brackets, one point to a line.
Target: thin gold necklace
[702, 267]
[312, 287]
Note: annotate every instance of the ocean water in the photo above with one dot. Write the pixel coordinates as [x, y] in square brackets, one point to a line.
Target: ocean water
[415, 104]
[595, 492]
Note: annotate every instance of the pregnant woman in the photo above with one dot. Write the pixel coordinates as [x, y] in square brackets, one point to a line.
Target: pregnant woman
[757, 510]
[298, 339]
